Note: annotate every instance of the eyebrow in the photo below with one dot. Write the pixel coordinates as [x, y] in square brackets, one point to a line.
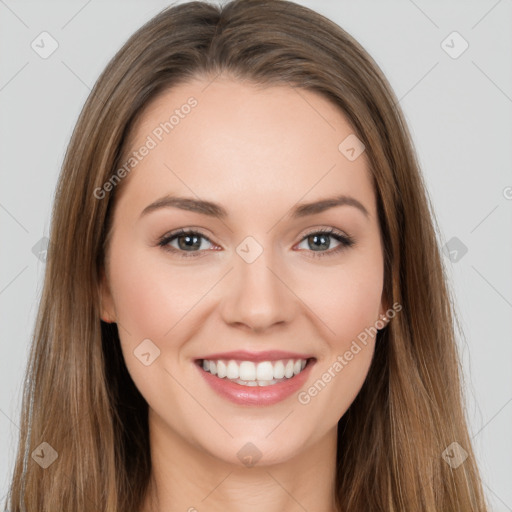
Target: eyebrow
[216, 210]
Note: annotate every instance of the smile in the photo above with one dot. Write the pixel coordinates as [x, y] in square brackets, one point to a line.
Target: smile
[255, 383]
[248, 373]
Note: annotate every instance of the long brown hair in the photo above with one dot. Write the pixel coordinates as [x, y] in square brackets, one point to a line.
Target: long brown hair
[78, 395]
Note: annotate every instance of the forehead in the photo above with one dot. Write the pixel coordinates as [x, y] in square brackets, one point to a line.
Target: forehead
[222, 139]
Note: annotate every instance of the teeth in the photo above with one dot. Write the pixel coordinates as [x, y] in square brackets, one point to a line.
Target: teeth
[232, 370]
[288, 371]
[265, 371]
[249, 373]
[279, 369]
[221, 369]
[247, 370]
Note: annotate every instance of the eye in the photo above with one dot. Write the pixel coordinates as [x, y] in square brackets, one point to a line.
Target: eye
[320, 240]
[189, 242]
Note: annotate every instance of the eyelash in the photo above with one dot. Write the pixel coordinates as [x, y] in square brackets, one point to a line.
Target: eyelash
[345, 242]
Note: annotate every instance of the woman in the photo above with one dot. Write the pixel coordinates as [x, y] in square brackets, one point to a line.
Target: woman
[244, 304]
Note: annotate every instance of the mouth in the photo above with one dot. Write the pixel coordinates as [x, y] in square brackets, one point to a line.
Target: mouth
[252, 373]
[249, 378]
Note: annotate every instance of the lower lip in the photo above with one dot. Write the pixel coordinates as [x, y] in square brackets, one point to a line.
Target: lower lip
[257, 395]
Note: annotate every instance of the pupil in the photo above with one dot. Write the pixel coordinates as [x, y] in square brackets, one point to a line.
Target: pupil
[188, 244]
[315, 239]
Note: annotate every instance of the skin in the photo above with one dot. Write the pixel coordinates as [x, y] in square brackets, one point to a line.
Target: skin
[257, 152]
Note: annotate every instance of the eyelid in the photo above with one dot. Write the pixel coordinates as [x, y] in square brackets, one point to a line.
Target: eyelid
[323, 229]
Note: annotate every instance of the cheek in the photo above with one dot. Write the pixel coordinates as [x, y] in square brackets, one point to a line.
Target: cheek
[349, 297]
[349, 306]
[150, 298]
[150, 295]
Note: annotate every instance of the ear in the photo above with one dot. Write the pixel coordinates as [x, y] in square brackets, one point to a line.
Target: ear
[107, 310]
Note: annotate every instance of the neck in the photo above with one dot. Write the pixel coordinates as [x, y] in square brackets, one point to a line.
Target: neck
[186, 478]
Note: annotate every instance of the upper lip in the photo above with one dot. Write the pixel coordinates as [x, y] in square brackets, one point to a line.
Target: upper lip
[267, 355]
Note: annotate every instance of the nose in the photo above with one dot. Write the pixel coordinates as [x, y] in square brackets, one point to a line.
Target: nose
[258, 296]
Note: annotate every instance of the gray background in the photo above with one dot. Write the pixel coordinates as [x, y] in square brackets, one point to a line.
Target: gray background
[459, 112]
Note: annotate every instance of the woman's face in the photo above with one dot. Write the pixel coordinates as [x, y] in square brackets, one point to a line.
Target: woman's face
[255, 285]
